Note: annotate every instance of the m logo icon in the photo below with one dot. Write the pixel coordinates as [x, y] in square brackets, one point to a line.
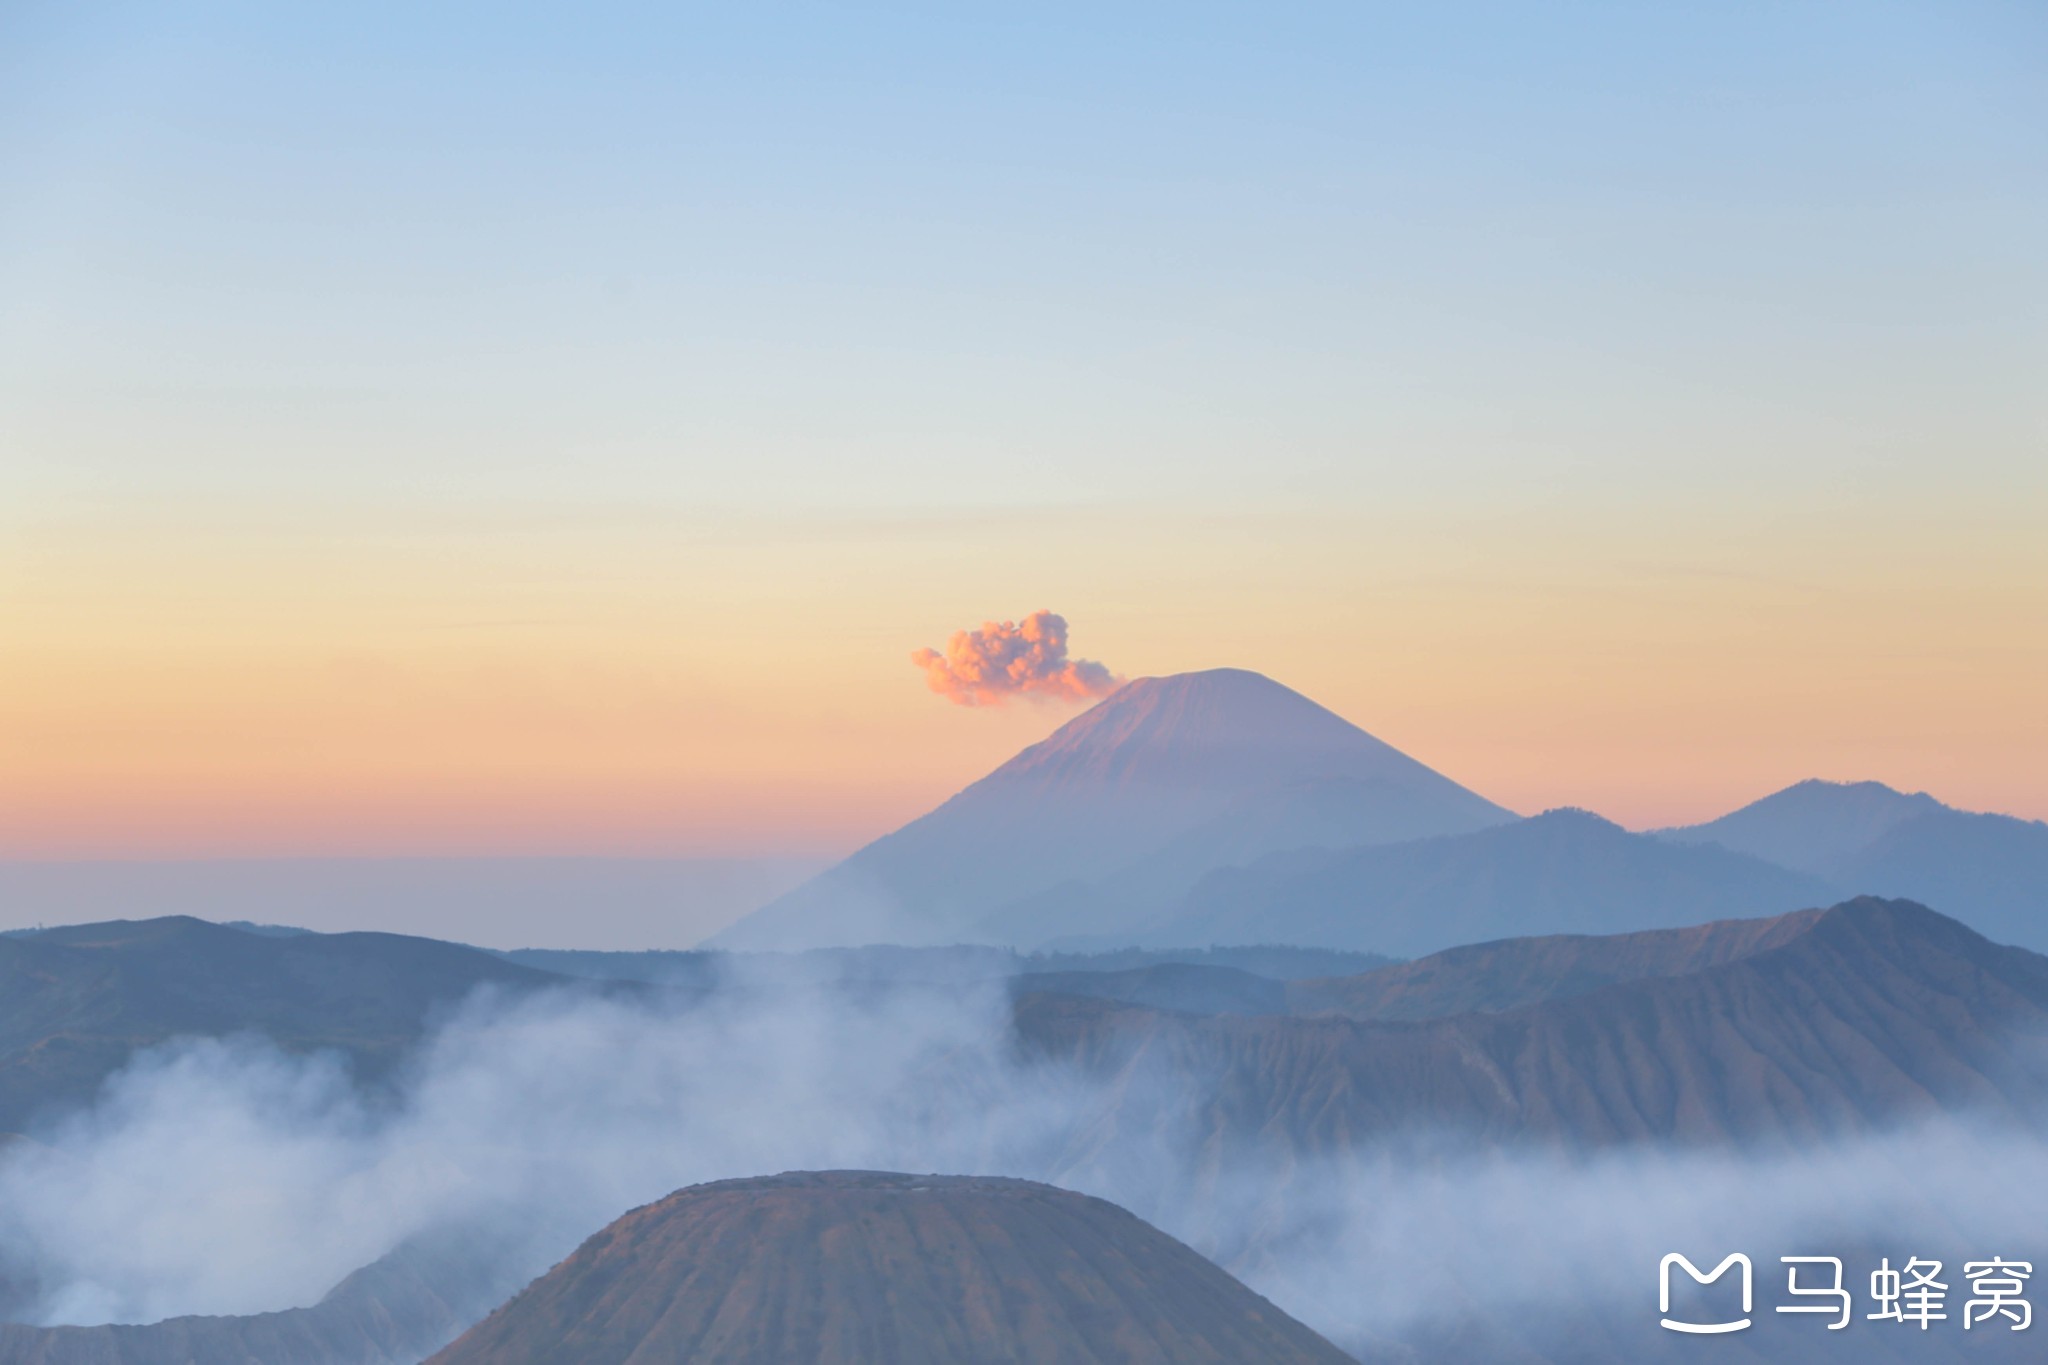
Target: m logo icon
[1702, 1328]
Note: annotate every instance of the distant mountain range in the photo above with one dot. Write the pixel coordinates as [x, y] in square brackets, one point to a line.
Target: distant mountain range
[1817, 827]
[1898, 990]
[1564, 871]
[1734, 1035]
[862, 1267]
[76, 1002]
[1990, 871]
[1838, 1021]
[955, 964]
[1222, 808]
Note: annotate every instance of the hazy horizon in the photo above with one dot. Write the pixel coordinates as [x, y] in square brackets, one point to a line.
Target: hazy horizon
[492, 902]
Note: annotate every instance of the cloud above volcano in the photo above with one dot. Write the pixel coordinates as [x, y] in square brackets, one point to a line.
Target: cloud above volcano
[1005, 659]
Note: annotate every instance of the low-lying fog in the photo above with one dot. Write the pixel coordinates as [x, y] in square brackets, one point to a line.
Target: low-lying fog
[222, 1176]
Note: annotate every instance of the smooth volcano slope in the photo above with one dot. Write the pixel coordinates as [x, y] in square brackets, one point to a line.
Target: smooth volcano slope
[76, 1003]
[1159, 760]
[1838, 1023]
[857, 1267]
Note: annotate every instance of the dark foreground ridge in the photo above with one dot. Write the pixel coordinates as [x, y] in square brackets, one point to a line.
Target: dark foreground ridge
[852, 1267]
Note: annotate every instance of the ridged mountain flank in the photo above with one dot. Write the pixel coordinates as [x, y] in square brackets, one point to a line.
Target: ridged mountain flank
[1779, 1032]
[855, 1267]
[1159, 761]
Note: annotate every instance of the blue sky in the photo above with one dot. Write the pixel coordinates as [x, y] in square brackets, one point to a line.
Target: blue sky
[890, 253]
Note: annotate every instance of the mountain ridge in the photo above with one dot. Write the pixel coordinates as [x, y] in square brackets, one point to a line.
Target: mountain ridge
[1564, 871]
[1815, 825]
[1868, 1013]
[77, 1001]
[1866, 838]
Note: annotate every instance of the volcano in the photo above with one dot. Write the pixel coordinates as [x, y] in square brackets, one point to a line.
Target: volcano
[1162, 781]
[846, 1267]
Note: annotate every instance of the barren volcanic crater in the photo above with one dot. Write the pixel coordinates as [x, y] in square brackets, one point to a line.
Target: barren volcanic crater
[839, 1267]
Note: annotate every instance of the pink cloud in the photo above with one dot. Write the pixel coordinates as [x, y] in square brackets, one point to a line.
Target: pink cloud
[1005, 659]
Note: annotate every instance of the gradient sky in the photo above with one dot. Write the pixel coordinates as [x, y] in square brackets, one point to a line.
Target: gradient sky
[485, 428]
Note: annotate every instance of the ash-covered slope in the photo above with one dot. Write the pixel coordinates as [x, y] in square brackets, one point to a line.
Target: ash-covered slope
[854, 1267]
[1158, 760]
[1837, 1023]
[1510, 973]
[77, 1002]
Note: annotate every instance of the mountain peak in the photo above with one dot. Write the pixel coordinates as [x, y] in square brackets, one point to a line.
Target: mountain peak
[1867, 790]
[1218, 725]
[1814, 826]
[1204, 755]
[1898, 919]
[1575, 817]
[711, 1273]
[1208, 679]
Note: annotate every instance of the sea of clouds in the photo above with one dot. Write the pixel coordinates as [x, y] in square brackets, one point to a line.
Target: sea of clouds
[225, 1176]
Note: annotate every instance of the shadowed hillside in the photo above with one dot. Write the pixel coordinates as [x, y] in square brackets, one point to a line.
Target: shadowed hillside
[851, 1268]
[390, 1313]
[76, 1003]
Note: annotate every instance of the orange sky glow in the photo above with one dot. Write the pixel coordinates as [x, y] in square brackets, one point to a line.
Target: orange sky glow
[244, 693]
